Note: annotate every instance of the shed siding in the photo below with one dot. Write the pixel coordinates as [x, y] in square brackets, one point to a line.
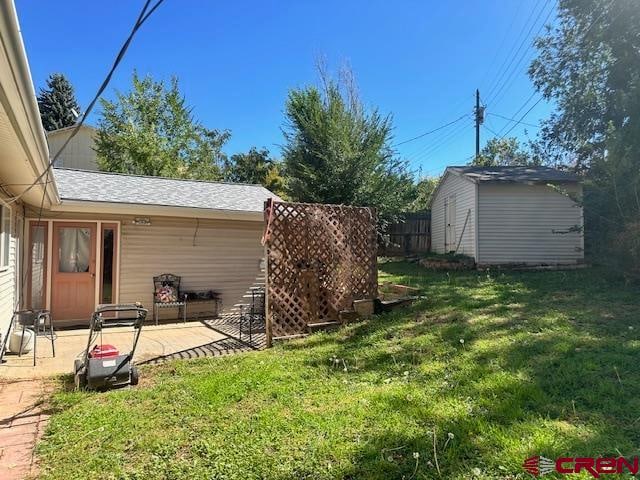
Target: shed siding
[516, 224]
[465, 193]
[8, 278]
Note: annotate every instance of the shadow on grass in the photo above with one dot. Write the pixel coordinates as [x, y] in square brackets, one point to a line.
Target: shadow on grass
[557, 350]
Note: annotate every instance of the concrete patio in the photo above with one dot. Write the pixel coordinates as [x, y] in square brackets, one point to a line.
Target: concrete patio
[157, 343]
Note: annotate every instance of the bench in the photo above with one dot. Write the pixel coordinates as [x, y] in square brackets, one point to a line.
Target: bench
[167, 294]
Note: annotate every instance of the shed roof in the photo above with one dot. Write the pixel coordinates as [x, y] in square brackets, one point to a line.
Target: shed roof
[107, 187]
[518, 174]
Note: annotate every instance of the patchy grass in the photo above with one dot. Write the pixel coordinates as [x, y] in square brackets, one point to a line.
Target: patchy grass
[496, 366]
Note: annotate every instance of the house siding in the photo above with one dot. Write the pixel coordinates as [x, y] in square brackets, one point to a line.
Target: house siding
[516, 224]
[79, 153]
[465, 193]
[220, 255]
[209, 255]
[9, 287]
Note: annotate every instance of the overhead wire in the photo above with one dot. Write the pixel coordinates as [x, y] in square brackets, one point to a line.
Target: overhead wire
[142, 18]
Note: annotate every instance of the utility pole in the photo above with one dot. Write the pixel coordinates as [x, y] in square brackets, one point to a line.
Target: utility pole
[479, 114]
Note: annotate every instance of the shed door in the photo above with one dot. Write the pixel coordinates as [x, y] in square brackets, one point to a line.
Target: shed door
[450, 227]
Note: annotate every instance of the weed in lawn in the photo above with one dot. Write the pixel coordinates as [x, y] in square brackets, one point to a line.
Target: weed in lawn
[491, 368]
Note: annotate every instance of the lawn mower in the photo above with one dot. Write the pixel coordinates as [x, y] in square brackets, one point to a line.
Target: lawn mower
[103, 366]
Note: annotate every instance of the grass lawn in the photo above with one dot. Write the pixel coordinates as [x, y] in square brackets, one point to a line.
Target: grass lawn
[496, 366]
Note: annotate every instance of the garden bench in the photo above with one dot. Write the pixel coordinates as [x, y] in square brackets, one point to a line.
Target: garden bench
[167, 294]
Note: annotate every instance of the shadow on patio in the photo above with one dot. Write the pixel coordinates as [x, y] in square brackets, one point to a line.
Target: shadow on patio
[196, 339]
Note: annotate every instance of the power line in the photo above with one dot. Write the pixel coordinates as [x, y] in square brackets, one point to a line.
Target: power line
[513, 119]
[522, 117]
[522, 107]
[431, 131]
[502, 70]
[502, 43]
[445, 140]
[510, 71]
[145, 13]
[142, 18]
[435, 142]
[507, 84]
[438, 141]
[490, 130]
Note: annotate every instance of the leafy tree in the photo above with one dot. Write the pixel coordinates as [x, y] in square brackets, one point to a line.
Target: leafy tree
[338, 152]
[589, 65]
[57, 103]
[423, 191]
[504, 152]
[150, 131]
[257, 167]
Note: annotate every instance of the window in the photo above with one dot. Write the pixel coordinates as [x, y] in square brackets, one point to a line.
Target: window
[38, 265]
[5, 235]
[108, 263]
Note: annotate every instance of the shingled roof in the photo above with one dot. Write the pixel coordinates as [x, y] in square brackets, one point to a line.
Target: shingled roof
[105, 187]
[528, 175]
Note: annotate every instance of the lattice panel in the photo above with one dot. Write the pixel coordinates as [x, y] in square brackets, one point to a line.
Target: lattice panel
[320, 258]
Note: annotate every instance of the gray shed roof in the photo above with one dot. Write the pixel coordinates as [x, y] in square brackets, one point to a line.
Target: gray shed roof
[514, 174]
[107, 187]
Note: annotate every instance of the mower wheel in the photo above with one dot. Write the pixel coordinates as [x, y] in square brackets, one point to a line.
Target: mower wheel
[135, 375]
[80, 380]
[79, 375]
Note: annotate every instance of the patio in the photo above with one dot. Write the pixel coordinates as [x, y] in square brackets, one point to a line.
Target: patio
[196, 339]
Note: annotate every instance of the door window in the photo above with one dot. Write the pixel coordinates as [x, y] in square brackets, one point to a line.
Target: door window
[74, 249]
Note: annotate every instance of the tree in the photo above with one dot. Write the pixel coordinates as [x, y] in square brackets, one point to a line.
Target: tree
[504, 152]
[57, 103]
[337, 152]
[423, 191]
[150, 131]
[257, 167]
[589, 65]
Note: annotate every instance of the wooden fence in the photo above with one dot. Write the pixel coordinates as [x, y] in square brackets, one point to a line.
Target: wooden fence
[413, 235]
[320, 258]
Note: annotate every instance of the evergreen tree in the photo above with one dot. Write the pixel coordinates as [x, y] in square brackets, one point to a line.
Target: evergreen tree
[57, 103]
[338, 152]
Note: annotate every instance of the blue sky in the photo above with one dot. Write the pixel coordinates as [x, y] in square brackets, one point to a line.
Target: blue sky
[419, 61]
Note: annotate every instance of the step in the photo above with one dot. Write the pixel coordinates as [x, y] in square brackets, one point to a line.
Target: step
[323, 325]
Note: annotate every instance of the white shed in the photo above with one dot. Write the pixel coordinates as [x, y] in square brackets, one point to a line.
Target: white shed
[508, 215]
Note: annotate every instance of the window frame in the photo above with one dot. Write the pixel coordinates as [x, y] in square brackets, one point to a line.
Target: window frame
[6, 220]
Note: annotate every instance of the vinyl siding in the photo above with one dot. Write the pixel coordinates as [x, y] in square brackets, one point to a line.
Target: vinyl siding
[220, 255]
[465, 193]
[516, 224]
[79, 153]
[8, 278]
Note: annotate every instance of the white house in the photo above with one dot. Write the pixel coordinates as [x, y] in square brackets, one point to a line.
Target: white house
[508, 215]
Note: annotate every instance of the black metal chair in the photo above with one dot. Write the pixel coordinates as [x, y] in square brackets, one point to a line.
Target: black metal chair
[38, 321]
[167, 294]
[252, 314]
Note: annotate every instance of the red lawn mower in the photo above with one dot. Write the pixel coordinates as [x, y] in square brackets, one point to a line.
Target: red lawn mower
[103, 366]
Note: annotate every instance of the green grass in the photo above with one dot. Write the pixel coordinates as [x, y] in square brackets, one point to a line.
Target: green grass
[549, 365]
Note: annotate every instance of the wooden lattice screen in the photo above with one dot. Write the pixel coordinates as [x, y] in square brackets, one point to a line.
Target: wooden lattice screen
[320, 258]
